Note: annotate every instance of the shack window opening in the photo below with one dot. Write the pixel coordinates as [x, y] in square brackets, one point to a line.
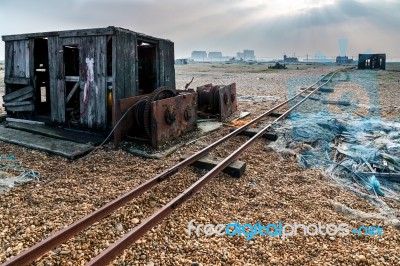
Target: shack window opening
[42, 78]
[147, 70]
[71, 60]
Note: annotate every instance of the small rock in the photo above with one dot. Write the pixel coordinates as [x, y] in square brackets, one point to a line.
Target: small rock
[135, 220]
[119, 227]
[362, 258]
[150, 263]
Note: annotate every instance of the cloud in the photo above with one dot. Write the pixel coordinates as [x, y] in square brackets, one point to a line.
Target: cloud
[270, 27]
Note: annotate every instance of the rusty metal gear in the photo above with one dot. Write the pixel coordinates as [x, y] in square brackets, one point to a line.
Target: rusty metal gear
[157, 94]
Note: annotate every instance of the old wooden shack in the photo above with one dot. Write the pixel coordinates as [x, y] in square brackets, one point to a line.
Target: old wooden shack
[76, 76]
[372, 61]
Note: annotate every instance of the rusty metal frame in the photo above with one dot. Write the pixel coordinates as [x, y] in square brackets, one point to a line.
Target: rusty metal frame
[227, 102]
[120, 107]
[223, 103]
[172, 117]
[183, 106]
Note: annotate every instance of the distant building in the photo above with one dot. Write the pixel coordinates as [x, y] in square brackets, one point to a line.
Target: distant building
[288, 59]
[239, 56]
[372, 61]
[343, 60]
[182, 61]
[199, 55]
[215, 56]
[248, 55]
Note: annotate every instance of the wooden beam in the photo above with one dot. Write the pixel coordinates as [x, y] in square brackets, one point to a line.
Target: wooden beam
[71, 78]
[344, 103]
[10, 104]
[18, 93]
[235, 169]
[87, 32]
[71, 93]
[76, 79]
[24, 108]
[23, 97]
[253, 131]
[19, 81]
[30, 122]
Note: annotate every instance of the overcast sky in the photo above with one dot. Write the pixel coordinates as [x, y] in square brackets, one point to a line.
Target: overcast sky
[270, 27]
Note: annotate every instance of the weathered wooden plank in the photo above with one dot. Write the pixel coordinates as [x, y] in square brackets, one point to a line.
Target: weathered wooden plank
[54, 146]
[23, 97]
[57, 84]
[31, 66]
[18, 81]
[9, 59]
[62, 34]
[115, 109]
[24, 108]
[125, 79]
[235, 169]
[27, 58]
[18, 93]
[71, 78]
[167, 63]
[26, 36]
[343, 103]
[275, 114]
[87, 32]
[86, 61]
[170, 65]
[251, 132]
[162, 59]
[23, 103]
[24, 121]
[21, 59]
[101, 82]
[58, 133]
[131, 75]
[76, 79]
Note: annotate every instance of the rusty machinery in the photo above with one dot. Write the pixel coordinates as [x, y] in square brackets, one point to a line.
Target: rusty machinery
[159, 116]
[167, 113]
[219, 100]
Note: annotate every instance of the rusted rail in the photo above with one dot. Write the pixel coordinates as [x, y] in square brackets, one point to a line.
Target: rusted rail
[106, 256]
[115, 249]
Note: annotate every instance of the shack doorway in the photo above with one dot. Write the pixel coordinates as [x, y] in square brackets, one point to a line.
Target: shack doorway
[42, 78]
[147, 66]
[72, 83]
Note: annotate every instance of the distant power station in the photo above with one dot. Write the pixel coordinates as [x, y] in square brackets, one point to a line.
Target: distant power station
[246, 55]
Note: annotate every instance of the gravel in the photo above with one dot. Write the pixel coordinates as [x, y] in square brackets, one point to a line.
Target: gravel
[272, 190]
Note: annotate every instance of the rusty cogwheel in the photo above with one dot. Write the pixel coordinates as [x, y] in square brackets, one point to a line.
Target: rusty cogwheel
[157, 94]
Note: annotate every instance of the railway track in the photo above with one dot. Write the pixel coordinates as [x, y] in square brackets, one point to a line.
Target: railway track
[115, 249]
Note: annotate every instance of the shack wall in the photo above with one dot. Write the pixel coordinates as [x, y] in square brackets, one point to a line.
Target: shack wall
[92, 79]
[93, 58]
[167, 63]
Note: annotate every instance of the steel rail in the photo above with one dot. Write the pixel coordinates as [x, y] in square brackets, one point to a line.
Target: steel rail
[124, 242]
[68, 232]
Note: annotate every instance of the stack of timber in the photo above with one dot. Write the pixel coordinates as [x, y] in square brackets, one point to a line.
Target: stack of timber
[20, 100]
